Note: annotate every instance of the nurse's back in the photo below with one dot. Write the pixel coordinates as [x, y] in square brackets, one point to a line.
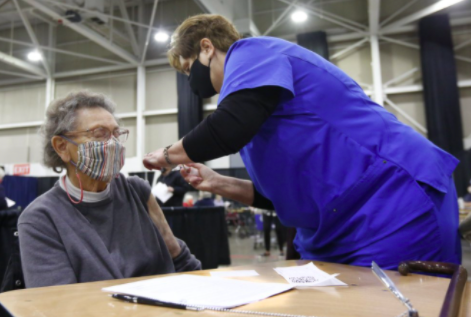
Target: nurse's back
[328, 113]
[327, 136]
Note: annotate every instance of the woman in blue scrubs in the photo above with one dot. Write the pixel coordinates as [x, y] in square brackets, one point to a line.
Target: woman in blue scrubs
[358, 185]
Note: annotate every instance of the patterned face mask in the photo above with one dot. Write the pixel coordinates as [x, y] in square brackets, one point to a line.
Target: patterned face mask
[100, 160]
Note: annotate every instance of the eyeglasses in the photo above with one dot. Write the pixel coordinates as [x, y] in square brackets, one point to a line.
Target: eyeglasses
[102, 134]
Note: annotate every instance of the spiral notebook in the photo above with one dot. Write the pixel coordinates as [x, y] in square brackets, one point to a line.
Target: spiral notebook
[200, 291]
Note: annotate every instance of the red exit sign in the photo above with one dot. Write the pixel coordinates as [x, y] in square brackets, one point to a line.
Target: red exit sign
[21, 169]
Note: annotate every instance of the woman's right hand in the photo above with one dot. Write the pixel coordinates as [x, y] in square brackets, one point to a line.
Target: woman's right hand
[200, 176]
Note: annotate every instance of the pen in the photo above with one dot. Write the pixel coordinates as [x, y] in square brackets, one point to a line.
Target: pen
[148, 301]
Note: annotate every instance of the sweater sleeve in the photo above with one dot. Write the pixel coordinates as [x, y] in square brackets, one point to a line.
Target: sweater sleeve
[142, 188]
[43, 268]
[186, 261]
[234, 123]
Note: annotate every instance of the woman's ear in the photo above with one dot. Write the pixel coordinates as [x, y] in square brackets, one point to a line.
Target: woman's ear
[60, 146]
[207, 48]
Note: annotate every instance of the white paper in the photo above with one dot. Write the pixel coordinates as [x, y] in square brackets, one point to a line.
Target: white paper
[241, 273]
[10, 203]
[200, 291]
[161, 192]
[308, 275]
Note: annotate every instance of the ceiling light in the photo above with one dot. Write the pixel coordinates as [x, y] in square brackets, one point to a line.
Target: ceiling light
[443, 4]
[299, 16]
[450, 2]
[161, 36]
[35, 56]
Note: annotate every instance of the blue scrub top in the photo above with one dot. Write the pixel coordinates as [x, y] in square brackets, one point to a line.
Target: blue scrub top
[336, 165]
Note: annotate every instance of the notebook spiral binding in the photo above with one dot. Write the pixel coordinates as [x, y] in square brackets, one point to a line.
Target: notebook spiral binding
[249, 312]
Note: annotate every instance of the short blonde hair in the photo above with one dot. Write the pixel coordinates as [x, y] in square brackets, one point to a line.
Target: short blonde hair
[186, 38]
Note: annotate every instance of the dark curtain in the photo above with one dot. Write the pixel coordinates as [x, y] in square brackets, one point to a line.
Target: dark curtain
[190, 106]
[11, 274]
[204, 230]
[315, 41]
[46, 183]
[23, 190]
[441, 93]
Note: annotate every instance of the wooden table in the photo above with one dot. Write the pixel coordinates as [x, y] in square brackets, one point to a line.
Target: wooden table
[364, 296]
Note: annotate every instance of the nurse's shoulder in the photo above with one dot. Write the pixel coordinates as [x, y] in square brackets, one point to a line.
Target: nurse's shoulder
[260, 46]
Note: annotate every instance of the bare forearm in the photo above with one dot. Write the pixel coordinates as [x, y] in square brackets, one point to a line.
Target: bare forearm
[235, 189]
[160, 222]
[177, 154]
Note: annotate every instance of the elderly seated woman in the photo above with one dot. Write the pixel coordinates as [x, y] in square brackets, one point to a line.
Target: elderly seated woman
[94, 224]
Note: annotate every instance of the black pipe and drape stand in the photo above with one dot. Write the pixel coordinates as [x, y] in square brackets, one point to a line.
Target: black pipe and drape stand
[314, 41]
[190, 106]
[441, 93]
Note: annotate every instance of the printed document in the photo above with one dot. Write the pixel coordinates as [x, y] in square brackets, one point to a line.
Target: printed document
[308, 275]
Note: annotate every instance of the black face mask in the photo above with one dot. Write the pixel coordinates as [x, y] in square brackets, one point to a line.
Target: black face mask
[200, 80]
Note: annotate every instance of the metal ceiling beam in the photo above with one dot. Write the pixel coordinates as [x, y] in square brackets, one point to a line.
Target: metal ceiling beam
[239, 12]
[461, 45]
[85, 31]
[19, 74]
[65, 52]
[414, 122]
[399, 11]
[348, 49]
[132, 36]
[104, 15]
[438, 6]
[335, 16]
[341, 34]
[280, 18]
[373, 13]
[329, 17]
[21, 64]
[97, 70]
[222, 7]
[417, 47]
[149, 31]
[401, 77]
[3, 3]
[44, 19]
[32, 36]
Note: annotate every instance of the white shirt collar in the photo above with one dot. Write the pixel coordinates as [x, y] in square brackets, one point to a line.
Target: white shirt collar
[88, 197]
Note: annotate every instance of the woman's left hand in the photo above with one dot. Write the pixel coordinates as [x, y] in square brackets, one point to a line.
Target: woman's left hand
[156, 160]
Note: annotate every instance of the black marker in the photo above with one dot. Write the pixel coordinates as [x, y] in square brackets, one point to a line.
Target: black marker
[147, 301]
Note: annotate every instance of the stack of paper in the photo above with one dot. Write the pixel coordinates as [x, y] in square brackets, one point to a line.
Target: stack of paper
[200, 291]
[308, 275]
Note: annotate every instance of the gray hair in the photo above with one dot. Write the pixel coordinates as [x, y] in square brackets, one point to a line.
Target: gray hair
[61, 117]
[2, 173]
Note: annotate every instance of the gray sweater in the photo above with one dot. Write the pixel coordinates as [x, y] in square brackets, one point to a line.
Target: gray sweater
[63, 243]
